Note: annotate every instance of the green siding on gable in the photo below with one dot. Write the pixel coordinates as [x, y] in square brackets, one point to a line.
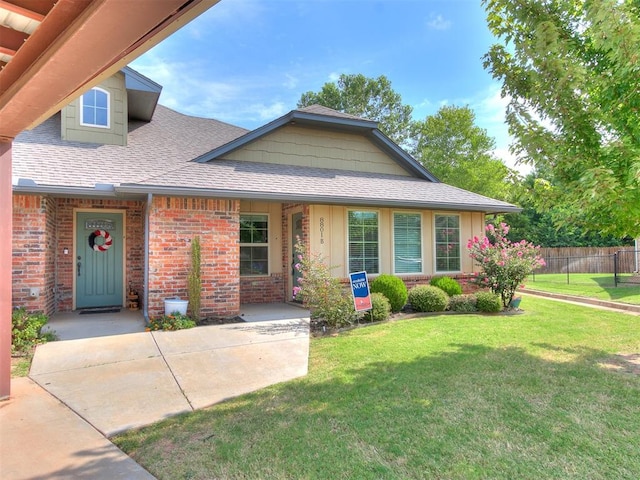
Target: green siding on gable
[305, 147]
[116, 134]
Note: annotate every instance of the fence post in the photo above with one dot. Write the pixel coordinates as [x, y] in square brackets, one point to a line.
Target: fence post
[567, 270]
[615, 269]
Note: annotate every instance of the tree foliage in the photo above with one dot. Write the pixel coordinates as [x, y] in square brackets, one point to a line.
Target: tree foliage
[571, 71]
[369, 98]
[452, 147]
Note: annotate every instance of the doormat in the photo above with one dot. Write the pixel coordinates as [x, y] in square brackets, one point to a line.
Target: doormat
[99, 310]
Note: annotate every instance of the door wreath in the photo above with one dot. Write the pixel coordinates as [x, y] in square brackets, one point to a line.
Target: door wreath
[108, 241]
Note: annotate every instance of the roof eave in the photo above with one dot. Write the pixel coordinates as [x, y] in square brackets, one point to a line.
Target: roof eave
[333, 200]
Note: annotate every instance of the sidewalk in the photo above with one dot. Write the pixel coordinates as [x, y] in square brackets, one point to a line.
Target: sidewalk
[41, 438]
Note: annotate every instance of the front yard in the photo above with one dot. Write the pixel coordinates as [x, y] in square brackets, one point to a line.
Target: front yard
[551, 393]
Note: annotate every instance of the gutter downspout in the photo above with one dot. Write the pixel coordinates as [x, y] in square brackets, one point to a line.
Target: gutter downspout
[145, 287]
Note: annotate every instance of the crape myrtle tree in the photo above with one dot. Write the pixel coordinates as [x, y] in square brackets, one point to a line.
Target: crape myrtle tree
[571, 72]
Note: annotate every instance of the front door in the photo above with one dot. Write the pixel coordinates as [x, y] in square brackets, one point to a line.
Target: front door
[296, 234]
[99, 259]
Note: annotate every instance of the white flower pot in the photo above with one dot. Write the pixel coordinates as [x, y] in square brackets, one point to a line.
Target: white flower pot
[172, 305]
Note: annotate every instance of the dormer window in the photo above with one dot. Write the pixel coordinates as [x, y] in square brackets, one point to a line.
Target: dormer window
[94, 108]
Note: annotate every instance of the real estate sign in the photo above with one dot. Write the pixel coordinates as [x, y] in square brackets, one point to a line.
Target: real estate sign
[360, 291]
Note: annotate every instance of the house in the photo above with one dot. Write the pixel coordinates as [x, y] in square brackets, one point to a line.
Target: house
[109, 192]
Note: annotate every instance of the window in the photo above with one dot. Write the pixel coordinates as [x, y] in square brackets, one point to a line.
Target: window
[447, 243]
[254, 244]
[94, 108]
[363, 242]
[407, 243]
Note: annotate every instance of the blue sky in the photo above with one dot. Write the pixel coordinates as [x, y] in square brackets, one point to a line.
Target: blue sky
[247, 62]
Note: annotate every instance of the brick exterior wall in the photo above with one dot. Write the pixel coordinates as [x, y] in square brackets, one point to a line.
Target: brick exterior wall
[43, 227]
[266, 289]
[173, 223]
[34, 249]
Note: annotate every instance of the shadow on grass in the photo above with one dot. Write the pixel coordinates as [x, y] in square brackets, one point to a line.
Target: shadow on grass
[472, 411]
[622, 291]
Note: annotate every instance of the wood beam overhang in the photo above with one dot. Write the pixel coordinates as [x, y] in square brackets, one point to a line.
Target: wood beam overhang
[75, 48]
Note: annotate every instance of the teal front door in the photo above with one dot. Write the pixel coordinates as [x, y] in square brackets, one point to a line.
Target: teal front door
[99, 259]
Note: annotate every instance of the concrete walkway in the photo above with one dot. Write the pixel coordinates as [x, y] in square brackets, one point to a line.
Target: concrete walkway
[95, 387]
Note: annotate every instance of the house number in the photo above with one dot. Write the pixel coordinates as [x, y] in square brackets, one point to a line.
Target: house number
[322, 230]
[99, 224]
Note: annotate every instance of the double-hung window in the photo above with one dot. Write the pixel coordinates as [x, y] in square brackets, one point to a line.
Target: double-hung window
[407, 243]
[363, 241]
[94, 108]
[447, 230]
[254, 244]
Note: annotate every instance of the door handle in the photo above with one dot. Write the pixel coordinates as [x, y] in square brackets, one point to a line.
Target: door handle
[79, 265]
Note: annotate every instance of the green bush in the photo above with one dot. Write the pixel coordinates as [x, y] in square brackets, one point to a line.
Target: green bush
[463, 303]
[488, 302]
[393, 288]
[450, 286]
[381, 308]
[322, 293]
[26, 331]
[427, 298]
[175, 321]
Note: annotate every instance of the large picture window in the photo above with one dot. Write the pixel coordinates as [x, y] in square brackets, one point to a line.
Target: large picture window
[407, 243]
[447, 229]
[363, 242]
[95, 108]
[254, 244]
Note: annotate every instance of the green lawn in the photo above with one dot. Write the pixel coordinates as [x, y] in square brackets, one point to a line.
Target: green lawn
[446, 396]
[587, 285]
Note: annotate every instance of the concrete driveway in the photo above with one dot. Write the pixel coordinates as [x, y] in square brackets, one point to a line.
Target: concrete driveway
[120, 382]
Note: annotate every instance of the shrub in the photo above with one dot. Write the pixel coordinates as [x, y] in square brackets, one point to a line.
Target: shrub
[488, 302]
[427, 298]
[175, 321]
[450, 286]
[322, 293]
[504, 264]
[195, 279]
[381, 308]
[26, 331]
[463, 303]
[393, 288]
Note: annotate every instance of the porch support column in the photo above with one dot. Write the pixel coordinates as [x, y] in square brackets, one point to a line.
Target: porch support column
[6, 216]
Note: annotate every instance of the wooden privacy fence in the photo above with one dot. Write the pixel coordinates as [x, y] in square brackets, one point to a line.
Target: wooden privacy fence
[589, 260]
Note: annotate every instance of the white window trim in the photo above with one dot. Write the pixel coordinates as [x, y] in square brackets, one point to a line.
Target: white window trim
[435, 244]
[377, 212]
[393, 242]
[93, 125]
[268, 245]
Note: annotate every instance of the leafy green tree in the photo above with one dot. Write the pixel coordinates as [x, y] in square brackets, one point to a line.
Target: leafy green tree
[571, 71]
[452, 147]
[364, 97]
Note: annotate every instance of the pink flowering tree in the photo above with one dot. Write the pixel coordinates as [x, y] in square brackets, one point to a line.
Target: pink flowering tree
[504, 264]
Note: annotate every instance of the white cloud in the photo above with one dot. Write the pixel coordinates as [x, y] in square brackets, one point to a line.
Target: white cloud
[438, 22]
[334, 76]
[291, 82]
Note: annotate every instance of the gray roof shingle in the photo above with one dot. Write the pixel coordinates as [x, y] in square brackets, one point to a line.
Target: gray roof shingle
[158, 159]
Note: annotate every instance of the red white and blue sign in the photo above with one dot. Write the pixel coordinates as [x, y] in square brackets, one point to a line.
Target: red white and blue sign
[360, 291]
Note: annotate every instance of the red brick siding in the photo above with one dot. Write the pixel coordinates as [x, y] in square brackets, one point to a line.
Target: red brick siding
[33, 244]
[134, 263]
[267, 289]
[43, 228]
[173, 223]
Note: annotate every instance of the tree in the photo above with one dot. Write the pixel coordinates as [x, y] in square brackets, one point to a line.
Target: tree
[369, 98]
[459, 153]
[571, 70]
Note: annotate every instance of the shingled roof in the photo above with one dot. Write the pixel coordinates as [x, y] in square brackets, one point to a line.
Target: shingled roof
[177, 154]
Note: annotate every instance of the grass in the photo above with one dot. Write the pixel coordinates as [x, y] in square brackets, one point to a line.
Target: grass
[445, 396]
[587, 285]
